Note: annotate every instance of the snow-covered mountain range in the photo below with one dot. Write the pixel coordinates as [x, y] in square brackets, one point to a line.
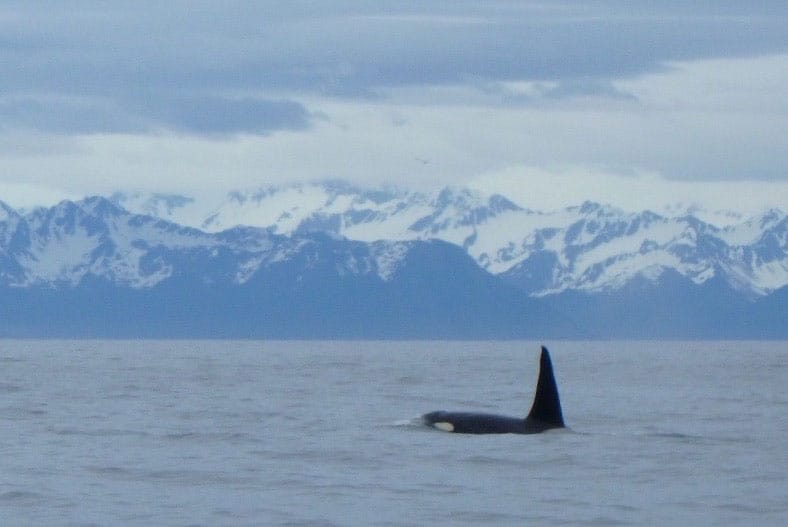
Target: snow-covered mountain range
[329, 260]
[91, 268]
[589, 247]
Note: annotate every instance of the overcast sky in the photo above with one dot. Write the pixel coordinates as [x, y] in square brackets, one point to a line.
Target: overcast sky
[632, 103]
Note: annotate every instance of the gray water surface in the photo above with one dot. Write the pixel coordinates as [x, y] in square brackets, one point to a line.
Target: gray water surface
[325, 433]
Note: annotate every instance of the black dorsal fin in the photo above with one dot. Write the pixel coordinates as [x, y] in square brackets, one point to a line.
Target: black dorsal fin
[547, 405]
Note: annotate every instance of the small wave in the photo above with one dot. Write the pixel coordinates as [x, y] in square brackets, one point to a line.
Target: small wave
[193, 477]
[697, 439]
[108, 471]
[102, 432]
[605, 520]
[408, 423]
[743, 508]
[182, 436]
[487, 460]
[195, 436]
[674, 435]
[20, 496]
[485, 518]
[10, 360]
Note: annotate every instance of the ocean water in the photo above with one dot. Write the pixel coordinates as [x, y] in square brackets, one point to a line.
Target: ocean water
[325, 433]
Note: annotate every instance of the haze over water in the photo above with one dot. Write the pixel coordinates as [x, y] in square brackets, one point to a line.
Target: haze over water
[324, 433]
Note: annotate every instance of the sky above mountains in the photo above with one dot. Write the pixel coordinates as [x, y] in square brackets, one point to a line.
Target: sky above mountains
[638, 104]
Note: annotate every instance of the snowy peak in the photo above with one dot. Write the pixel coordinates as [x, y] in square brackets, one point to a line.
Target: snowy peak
[591, 247]
[281, 209]
[100, 207]
[64, 244]
[6, 212]
[95, 238]
[175, 208]
[460, 208]
[9, 224]
[159, 205]
[752, 229]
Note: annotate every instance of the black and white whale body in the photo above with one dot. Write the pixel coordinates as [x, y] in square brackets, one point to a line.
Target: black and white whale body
[545, 412]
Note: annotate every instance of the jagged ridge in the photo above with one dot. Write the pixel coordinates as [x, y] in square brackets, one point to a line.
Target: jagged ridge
[590, 247]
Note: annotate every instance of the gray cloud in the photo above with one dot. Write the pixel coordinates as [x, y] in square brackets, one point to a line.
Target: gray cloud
[215, 115]
[352, 48]
[63, 115]
[199, 115]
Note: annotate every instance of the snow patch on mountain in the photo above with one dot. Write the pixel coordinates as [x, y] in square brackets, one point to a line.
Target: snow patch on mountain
[293, 204]
[248, 268]
[60, 259]
[388, 258]
[618, 271]
[770, 275]
[750, 231]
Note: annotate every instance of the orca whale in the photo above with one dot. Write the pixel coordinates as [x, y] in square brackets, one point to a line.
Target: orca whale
[545, 411]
